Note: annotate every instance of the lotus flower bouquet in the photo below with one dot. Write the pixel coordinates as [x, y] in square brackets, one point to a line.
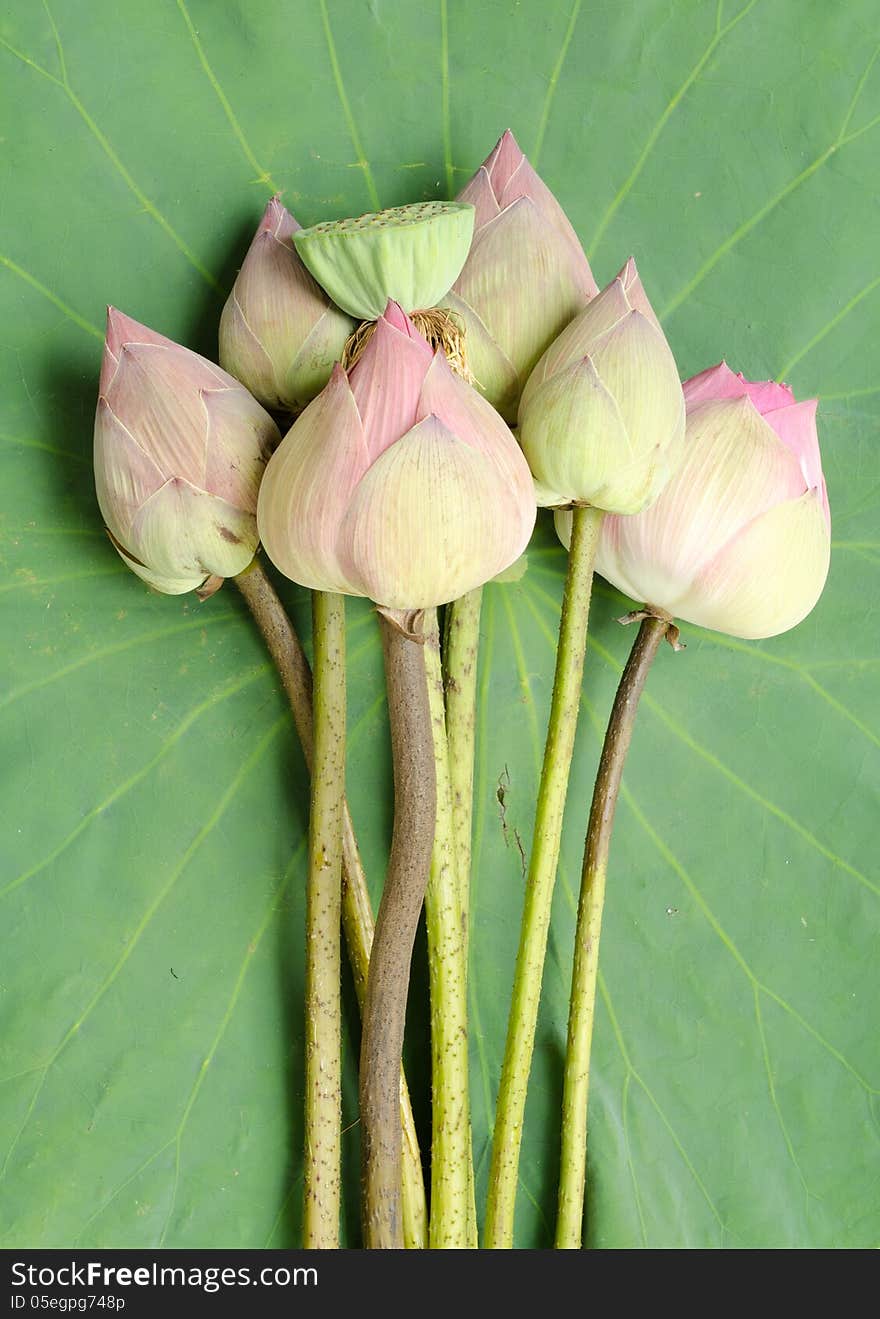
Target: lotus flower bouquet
[439, 370]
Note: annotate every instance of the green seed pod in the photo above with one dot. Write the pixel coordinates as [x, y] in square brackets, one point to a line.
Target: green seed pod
[413, 254]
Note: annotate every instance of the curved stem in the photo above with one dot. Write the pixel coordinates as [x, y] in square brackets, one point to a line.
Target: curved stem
[415, 806]
[573, 1167]
[451, 1164]
[322, 1163]
[558, 750]
[357, 913]
[460, 654]
[358, 926]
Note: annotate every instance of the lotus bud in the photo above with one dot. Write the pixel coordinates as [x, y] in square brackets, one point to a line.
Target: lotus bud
[601, 419]
[525, 278]
[180, 448]
[409, 253]
[740, 539]
[279, 332]
[398, 482]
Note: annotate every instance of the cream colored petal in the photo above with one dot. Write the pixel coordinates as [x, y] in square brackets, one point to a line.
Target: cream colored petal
[182, 531]
[494, 374]
[307, 486]
[573, 436]
[429, 521]
[310, 370]
[523, 281]
[734, 468]
[160, 582]
[579, 337]
[548, 498]
[614, 565]
[241, 438]
[638, 369]
[769, 577]
[474, 421]
[635, 293]
[125, 476]
[242, 354]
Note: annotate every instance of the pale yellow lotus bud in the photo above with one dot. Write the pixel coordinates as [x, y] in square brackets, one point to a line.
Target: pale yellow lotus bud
[601, 419]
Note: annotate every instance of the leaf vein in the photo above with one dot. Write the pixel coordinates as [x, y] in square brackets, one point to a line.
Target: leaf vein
[353, 133]
[263, 175]
[629, 181]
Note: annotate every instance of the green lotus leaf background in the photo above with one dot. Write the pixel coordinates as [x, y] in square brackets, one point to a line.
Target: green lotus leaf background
[154, 798]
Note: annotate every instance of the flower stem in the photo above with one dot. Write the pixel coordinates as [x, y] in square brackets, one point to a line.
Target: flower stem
[460, 651]
[322, 1164]
[461, 646]
[357, 913]
[415, 807]
[358, 926]
[569, 1225]
[558, 750]
[451, 1162]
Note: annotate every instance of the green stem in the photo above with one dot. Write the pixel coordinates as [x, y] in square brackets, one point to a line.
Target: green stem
[558, 750]
[573, 1168]
[460, 653]
[357, 913]
[460, 650]
[323, 1106]
[415, 811]
[451, 1164]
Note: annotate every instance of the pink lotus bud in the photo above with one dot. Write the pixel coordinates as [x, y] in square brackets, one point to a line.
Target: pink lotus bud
[180, 448]
[740, 539]
[526, 275]
[601, 419]
[399, 482]
[279, 333]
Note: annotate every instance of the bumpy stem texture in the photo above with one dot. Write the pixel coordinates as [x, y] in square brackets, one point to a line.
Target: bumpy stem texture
[358, 926]
[451, 1163]
[357, 913]
[415, 807]
[461, 646]
[573, 1167]
[558, 750]
[460, 651]
[322, 1164]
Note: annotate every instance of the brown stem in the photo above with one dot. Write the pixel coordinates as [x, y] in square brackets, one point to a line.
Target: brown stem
[569, 1227]
[415, 805]
[284, 648]
[357, 913]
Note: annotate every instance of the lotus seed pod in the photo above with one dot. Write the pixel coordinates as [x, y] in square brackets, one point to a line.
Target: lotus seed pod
[279, 332]
[180, 449]
[411, 254]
